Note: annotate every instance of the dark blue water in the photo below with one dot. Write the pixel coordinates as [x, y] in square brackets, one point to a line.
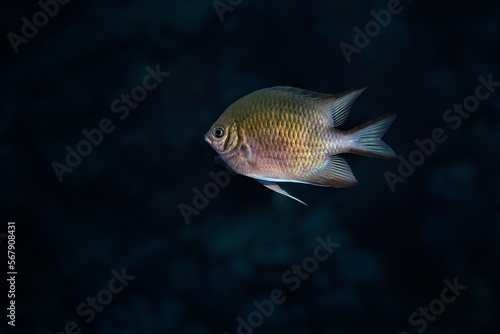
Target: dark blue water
[124, 223]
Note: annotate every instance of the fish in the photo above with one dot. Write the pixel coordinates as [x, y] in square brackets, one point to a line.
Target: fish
[289, 134]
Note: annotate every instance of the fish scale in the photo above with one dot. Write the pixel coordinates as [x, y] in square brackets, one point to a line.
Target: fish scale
[287, 139]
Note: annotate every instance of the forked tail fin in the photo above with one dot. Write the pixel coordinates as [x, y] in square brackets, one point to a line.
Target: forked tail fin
[367, 138]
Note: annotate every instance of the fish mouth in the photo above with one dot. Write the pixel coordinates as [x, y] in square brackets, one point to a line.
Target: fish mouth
[208, 140]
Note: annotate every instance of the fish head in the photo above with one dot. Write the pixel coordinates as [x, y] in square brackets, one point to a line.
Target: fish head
[223, 137]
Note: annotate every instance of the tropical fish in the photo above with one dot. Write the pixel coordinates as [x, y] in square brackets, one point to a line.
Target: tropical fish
[287, 134]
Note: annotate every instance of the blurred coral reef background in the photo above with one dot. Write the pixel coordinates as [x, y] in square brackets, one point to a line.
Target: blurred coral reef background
[119, 207]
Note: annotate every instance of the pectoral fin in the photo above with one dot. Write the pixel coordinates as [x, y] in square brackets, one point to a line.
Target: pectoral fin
[273, 186]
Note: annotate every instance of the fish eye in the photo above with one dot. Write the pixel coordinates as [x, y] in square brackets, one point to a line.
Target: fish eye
[218, 132]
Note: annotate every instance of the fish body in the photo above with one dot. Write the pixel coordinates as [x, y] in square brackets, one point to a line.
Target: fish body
[287, 134]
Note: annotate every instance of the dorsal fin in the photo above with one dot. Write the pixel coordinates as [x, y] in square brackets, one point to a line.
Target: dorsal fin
[338, 106]
[299, 91]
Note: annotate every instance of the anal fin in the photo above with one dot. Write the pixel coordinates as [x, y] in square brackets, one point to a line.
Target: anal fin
[275, 187]
[335, 173]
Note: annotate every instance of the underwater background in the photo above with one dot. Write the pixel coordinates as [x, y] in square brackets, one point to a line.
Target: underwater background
[124, 223]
